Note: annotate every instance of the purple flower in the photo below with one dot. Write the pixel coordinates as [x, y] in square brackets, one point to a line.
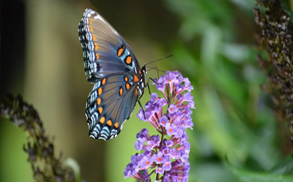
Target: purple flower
[129, 171]
[156, 139]
[174, 153]
[187, 84]
[145, 162]
[169, 143]
[150, 145]
[163, 121]
[160, 85]
[162, 102]
[160, 170]
[171, 129]
[167, 166]
[158, 158]
[170, 78]
[154, 97]
[166, 154]
[172, 109]
[138, 145]
[141, 115]
[166, 151]
[166, 177]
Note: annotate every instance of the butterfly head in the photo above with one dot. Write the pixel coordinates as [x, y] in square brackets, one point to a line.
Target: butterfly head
[141, 84]
[144, 72]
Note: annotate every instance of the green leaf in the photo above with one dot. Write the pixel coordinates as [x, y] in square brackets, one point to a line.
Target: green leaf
[249, 176]
[285, 166]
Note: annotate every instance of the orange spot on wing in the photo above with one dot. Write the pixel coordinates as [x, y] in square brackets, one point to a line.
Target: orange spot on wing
[91, 28]
[121, 91]
[100, 90]
[100, 110]
[99, 101]
[103, 81]
[102, 120]
[139, 71]
[136, 92]
[96, 46]
[90, 21]
[120, 51]
[135, 78]
[116, 125]
[127, 86]
[94, 37]
[109, 122]
[128, 60]
[97, 56]
[125, 79]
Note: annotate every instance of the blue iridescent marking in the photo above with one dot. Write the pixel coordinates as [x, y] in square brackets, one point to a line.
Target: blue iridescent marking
[97, 85]
[92, 110]
[94, 96]
[105, 130]
[113, 132]
[97, 128]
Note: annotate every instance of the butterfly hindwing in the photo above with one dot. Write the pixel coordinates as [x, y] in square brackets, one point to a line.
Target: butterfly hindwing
[104, 50]
[109, 104]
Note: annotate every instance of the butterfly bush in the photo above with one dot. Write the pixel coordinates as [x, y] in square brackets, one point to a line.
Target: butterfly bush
[165, 155]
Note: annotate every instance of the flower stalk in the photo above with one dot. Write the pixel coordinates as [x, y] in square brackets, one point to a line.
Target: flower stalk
[40, 149]
[276, 39]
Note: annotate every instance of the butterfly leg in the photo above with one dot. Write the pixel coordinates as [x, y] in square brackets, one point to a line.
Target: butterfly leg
[147, 84]
[141, 108]
[155, 68]
[158, 73]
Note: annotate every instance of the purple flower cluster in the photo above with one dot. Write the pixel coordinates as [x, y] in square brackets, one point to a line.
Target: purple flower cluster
[165, 155]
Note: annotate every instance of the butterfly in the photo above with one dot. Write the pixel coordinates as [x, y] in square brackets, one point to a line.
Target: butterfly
[111, 66]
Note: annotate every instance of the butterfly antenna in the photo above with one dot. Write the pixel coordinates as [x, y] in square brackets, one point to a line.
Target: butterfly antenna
[155, 68]
[159, 59]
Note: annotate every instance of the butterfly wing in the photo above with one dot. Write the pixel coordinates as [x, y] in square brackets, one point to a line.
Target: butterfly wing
[109, 104]
[112, 66]
[104, 50]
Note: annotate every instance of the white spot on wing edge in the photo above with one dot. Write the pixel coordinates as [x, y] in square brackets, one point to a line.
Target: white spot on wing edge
[92, 136]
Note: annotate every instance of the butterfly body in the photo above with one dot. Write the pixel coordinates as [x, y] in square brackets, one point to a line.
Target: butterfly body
[112, 67]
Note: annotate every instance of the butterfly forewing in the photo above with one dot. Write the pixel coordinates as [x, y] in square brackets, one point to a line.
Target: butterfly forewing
[104, 50]
[118, 80]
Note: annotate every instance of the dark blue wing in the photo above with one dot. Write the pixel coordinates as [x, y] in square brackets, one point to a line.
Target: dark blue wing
[110, 104]
[104, 50]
